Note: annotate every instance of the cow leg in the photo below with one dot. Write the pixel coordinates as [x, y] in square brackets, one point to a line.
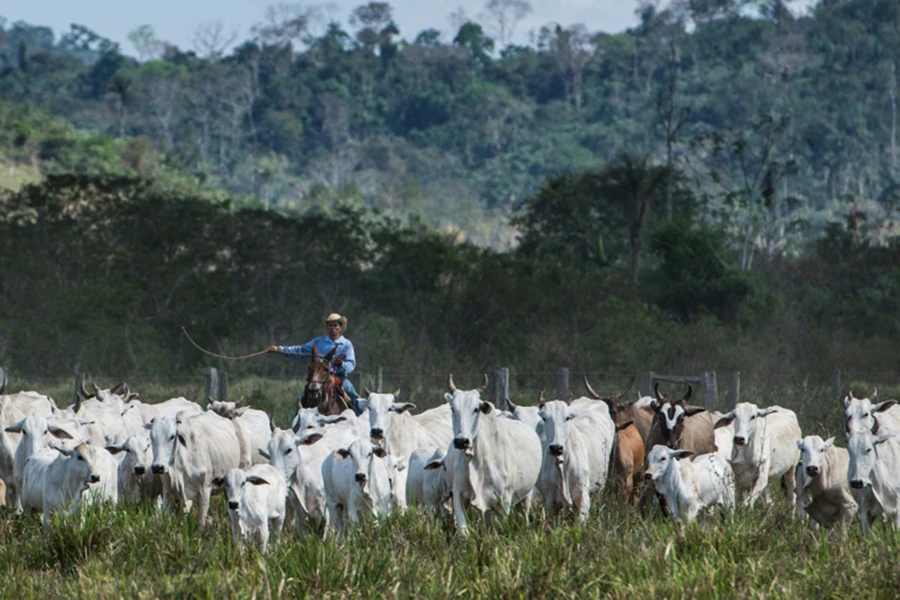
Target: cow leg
[203, 505]
[334, 521]
[582, 504]
[277, 526]
[263, 536]
[529, 499]
[462, 525]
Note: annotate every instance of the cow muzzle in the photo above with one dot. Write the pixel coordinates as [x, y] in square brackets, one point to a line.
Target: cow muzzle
[140, 470]
[812, 471]
[94, 478]
[361, 478]
[647, 476]
[232, 505]
[376, 434]
[856, 484]
[461, 443]
[555, 450]
[739, 441]
[158, 469]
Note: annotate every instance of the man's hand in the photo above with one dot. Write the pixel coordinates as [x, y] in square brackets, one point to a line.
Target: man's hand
[272, 348]
[337, 362]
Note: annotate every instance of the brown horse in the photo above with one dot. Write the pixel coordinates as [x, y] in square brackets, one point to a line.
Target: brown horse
[321, 390]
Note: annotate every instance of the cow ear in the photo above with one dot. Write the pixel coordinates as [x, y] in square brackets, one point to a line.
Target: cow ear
[310, 439]
[883, 406]
[16, 427]
[846, 401]
[829, 442]
[725, 420]
[363, 404]
[264, 454]
[342, 453]
[61, 449]
[331, 419]
[680, 454]
[115, 449]
[448, 397]
[59, 432]
[241, 411]
[486, 407]
[880, 439]
[621, 426]
[655, 405]
[401, 408]
[800, 445]
[257, 480]
[435, 464]
[217, 482]
[693, 410]
[148, 425]
[181, 440]
[379, 452]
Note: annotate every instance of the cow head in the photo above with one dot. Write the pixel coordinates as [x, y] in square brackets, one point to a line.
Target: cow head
[611, 401]
[138, 452]
[282, 450]
[370, 467]
[380, 408]
[235, 481]
[746, 418]
[34, 429]
[863, 449]
[861, 412]
[83, 457]
[466, 408]
[165, 436]
[812, 453]
[556, 415]
[229, 410]
[661, 459]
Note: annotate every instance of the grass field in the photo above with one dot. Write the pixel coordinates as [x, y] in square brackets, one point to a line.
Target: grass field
[113, 552]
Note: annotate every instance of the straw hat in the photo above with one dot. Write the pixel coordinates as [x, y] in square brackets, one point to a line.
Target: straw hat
[336, 317]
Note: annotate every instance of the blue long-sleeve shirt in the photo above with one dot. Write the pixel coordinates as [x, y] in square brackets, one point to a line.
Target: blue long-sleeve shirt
[324, 345]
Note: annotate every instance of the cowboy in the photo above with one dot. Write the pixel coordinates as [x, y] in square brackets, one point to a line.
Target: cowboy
[344, 360]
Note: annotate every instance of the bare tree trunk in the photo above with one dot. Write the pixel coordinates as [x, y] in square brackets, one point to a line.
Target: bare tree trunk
[893, 93]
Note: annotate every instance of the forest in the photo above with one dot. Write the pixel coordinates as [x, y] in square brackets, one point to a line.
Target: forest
[712, 188]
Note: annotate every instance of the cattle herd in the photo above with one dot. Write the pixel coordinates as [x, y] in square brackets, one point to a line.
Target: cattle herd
[463, 458]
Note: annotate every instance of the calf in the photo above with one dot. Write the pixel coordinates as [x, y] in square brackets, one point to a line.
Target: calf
[14, 408]
[628, 460]
[823, 488]
[357, 483]
[765, 448]
[690, 485]
[57, 478]
[252, 427]
[576, 453]
[256, 507]
[426, 481]
[135, 455]
[875, 463]
[35, 433]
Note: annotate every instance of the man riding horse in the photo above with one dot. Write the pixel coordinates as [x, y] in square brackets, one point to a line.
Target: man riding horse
[335, 350]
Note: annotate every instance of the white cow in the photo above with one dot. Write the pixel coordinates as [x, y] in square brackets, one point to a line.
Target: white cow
[426, 480]
[167, 408]
[765, 448]
[576, 453]
[57, 478]
[256, 501]
[188, 453]
[724, 436]
[252, 426]
[135, 455]
[36, 432]
[875, 462]
[530, 415]
[299, 459]
[823, 487]
[311, 418]
[866, 414]
[498, 462]
[357, 483]
[14, 408]
[690, 486]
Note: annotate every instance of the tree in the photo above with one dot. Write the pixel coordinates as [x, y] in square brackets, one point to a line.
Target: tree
[570, 47]
[212, 38]
[144, 40]
[285, 24]
[503, 16]
[120, 86]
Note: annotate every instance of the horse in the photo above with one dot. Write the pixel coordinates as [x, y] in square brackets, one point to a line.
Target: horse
[321, 390]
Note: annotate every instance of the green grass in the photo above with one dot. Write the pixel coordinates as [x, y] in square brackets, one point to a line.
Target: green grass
[137, 552]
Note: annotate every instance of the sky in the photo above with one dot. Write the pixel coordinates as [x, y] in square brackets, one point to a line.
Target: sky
[175, 21]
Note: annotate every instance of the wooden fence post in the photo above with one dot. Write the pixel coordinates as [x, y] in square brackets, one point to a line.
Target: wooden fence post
[734, 390]
[836, 384]
[645, 386]
[212, 384]
[3, 380]
[379, 379]
[501, 388]
[562, 384]
[712, 389]
[223, 386]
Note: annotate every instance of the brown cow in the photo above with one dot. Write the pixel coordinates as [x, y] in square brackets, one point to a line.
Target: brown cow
[628, 459]
[621, 413]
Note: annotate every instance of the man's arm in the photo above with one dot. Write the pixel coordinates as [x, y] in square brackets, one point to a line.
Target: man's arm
[303, 351]
[348, 358]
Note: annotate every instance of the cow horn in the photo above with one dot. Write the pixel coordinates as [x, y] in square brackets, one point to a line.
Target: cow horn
[541, 398]
[116, 388]
[367, 391]
[874, 394]
[627, 387]
[591, 391]
[96, 389]
[396, 393]
[852, 397]
[83, 391]
[659, 396]
[687, 396]
[450, 384]
[77, 406]
[511, 405]
[272, 422]
[483, 387]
